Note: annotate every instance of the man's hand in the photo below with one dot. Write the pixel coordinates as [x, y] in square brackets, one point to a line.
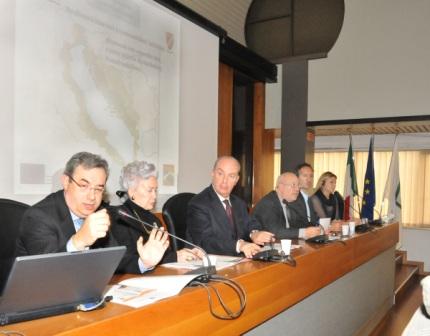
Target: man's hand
[312, 231]
[94, 227]
[153, 250]
[248, 249]
[261, 237]
[185, 254]
[335, 226]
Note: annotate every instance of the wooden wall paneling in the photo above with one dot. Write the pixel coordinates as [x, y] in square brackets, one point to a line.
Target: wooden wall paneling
[225, 109]
[263, 149]
[268, 159]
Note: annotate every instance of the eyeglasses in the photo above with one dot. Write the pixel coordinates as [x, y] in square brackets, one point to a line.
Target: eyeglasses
[87, 187]
[291, 185]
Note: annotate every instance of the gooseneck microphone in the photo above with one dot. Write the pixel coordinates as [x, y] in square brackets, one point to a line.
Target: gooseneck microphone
[207, 274]
[121, 193]
[205, 270]
[377, 222]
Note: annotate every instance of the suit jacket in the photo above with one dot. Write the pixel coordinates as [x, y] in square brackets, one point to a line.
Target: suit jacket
[270, 215]
[208, 225]
[300, 212]
[47, 226]
[127, 232]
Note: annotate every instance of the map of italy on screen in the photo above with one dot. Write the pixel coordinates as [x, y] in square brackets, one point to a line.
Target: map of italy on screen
[94, 75]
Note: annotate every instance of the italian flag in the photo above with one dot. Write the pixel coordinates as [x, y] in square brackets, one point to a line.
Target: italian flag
[351, 188]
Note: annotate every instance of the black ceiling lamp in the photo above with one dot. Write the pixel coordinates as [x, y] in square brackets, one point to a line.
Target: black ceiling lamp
[282, 30]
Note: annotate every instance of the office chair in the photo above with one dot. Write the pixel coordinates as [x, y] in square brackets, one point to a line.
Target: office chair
[10, 217]
[175, 215]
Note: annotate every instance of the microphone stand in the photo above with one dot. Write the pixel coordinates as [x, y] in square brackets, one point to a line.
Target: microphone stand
[206, 271]
[375, 222]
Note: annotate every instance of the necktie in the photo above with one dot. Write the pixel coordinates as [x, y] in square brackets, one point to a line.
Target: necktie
[229, 212]
[286, 214]
[78, 223]
[308, 210]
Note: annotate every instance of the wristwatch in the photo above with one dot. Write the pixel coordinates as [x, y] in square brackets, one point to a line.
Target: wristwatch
[252, 232]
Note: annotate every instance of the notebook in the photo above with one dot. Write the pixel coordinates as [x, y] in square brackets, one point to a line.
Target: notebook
[56, 283]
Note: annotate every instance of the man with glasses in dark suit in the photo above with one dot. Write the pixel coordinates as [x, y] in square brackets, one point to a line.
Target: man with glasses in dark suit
[70, 219]
[278, 213]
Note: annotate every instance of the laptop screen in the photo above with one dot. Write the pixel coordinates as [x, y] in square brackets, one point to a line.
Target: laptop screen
[57, 280]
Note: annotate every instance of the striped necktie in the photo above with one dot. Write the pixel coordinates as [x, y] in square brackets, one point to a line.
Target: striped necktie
[229, 212]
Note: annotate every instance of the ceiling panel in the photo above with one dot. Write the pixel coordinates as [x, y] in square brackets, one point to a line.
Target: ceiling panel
[229, 14]
[374, 128]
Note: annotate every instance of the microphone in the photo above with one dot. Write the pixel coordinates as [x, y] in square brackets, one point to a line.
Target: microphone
[364, 227]
[207, 271]
[120, 193]
[376, 222]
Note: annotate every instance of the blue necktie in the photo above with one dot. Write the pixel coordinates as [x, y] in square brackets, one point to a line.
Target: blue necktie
[78, 223]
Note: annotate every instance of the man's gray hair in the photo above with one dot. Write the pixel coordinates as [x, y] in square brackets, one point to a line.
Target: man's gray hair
[87, 161]
[135, 171]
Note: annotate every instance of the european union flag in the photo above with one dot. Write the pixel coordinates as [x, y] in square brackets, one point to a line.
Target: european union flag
[369, 186]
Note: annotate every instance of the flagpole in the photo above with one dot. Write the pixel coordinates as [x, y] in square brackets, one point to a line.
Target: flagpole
[358, 197]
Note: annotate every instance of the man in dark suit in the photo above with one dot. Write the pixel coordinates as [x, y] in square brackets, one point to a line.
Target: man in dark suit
[218, 221]
[303, 205]
[274, 213]
[70, 219]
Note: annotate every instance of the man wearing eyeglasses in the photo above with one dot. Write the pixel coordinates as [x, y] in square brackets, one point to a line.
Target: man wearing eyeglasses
[275, 215]
[70, 219]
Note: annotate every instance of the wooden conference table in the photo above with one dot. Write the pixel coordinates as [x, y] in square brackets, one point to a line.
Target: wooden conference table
[265, 284]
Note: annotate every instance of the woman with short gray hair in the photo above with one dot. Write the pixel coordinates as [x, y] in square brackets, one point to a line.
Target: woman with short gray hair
[145, 247]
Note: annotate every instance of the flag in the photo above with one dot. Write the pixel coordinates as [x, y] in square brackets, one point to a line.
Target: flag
[392, 187]
[369, 186]
[351, 189]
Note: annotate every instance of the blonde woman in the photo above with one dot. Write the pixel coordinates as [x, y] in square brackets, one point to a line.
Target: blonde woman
[327, 202]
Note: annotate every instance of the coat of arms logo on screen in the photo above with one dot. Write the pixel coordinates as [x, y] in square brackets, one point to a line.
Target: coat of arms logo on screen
[170, 40]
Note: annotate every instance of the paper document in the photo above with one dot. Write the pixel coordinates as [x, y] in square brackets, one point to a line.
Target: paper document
[141, 291]
[221, 262]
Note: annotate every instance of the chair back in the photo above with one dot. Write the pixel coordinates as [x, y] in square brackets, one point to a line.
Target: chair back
[175, 217]
[10, 218]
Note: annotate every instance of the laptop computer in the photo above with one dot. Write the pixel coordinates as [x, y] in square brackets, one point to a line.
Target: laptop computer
[56, 283]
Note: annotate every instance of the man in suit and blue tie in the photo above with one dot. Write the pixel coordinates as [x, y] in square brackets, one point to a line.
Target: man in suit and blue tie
[218, 221]
[283, 211]
[303, 204]
[71, 219]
